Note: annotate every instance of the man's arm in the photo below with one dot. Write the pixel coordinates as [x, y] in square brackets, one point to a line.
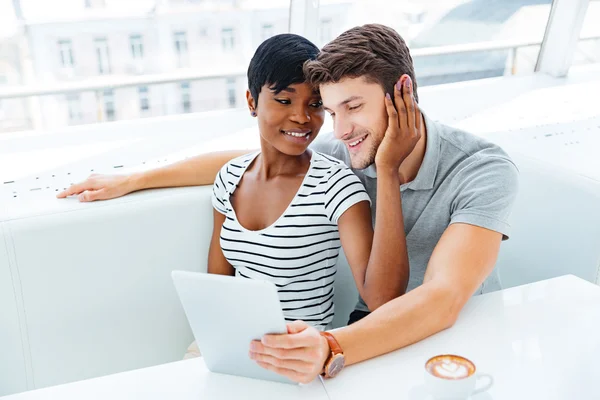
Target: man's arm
[463, 258]
[461, 261]
[199, 170]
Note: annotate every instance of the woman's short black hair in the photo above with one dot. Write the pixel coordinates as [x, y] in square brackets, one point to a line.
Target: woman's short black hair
[278, 63]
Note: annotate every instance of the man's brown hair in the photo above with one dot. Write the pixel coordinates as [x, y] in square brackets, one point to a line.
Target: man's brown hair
[373, 51]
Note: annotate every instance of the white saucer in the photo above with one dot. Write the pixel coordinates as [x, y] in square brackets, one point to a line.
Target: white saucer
[419, 392]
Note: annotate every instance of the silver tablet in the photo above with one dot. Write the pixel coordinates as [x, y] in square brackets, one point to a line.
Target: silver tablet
[226, 313]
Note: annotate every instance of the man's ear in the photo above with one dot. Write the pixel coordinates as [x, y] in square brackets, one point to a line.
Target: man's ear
[251, 102]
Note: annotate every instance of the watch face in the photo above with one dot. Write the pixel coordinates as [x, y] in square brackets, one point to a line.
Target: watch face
[335, 365]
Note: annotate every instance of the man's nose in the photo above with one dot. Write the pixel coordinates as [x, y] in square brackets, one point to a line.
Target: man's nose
[342, 129]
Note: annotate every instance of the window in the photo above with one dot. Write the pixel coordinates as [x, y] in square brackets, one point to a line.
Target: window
[65, 49]
[102, 56]
[588, 47]
[74, 108]
[231, 92]
[109, 44]
[137, 47]
[267, 31]
[228, 39]
[109, 105]
[416, 17]
[325, 31]
[445, 24]
[144, 98]
[181, 49]
[186, 102]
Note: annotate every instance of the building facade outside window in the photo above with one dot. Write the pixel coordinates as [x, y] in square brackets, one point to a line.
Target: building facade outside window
[186, 98]
[74, 108]
[109, 105]
[102, 56]
[144, 98]
[228, 39]
[231, 92]
[267, 31]
[181, 49]
[65, 49]
[325, 31]
[137, 47]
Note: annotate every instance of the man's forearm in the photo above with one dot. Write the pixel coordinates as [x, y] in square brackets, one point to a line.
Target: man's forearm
[408, 319]
[195, 171]
[388, 269]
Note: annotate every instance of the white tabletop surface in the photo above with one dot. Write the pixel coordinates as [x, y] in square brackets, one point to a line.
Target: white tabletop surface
[538, 341]
[189, 379]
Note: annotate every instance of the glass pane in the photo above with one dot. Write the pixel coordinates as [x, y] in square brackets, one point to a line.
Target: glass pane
[588, 47]
[451, 40]
[115, 42]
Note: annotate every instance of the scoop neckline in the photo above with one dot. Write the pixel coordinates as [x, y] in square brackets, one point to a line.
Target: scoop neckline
[300, 190]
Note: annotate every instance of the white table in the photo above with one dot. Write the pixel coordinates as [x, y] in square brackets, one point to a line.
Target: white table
[189, 379]
[539, 341]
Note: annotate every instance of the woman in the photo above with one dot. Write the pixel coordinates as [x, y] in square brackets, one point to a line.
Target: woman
[280, 214]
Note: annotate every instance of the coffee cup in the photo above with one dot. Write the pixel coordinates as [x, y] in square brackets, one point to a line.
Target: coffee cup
[452, 377]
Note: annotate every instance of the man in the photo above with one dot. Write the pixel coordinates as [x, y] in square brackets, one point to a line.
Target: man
[457, 191]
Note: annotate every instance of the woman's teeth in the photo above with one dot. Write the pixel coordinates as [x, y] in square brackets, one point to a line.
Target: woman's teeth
[352, 144]
[296, 134]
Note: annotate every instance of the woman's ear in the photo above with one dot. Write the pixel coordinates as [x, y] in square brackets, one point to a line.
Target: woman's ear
[251, 103]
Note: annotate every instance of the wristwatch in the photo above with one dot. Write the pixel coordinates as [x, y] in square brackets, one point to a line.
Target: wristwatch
[336, 360]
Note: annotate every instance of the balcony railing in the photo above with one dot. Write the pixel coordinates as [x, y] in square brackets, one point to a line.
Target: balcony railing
[116, 82]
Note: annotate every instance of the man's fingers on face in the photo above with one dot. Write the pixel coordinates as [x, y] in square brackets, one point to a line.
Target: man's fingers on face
[398, 92]
[393, 126]
[418, 114]
[400, 106]
[410, 105]
[408, 95]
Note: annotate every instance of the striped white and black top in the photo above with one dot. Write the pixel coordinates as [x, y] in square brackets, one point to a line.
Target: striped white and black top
[298, 252]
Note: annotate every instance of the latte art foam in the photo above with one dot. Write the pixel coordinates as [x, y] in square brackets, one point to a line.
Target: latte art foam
[450, 367]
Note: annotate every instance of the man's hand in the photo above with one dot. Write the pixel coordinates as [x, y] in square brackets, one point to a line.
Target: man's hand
[300, 355]
[404, 127]
[100, 187]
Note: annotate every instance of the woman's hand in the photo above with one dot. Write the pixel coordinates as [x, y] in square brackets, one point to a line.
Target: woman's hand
[404, 127]
[100, 187]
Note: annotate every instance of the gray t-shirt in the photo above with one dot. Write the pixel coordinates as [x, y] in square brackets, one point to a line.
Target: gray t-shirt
[463, 179]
